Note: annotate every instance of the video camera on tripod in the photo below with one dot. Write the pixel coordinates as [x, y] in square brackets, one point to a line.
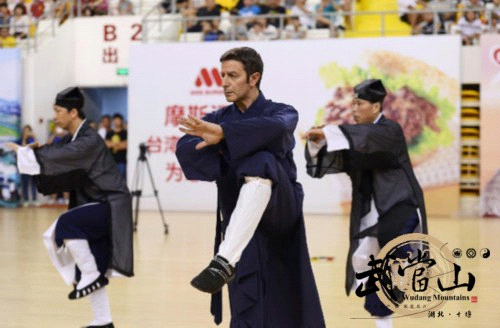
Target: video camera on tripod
[143, 149]
[138, 181]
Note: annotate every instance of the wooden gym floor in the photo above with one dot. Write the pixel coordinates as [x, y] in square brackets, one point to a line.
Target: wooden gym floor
[32, 294]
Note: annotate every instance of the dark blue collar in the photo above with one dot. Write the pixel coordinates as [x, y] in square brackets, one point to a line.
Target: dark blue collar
[256, 105]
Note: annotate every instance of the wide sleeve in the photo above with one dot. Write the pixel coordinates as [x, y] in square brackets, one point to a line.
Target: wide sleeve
[203, 164]
[373, 146]
[273, 133]
[26, 161]
[64, 157]
[319, 163]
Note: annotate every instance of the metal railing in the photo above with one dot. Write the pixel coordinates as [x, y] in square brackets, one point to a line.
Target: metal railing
[155, 21]
[152, 20]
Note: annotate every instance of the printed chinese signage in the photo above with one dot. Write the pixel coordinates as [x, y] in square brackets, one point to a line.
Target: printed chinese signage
[103, 47]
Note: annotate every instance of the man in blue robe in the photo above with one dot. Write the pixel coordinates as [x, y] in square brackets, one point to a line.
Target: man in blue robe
[261, 249]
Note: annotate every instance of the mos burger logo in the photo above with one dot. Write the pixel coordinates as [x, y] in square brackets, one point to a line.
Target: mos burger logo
[495, 55]
[208, 82]
[208, 78]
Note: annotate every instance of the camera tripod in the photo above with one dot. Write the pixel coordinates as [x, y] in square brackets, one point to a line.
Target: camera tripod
[137, 184]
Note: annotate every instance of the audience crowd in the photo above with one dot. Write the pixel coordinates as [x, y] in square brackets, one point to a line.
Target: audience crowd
[261, 19]
[253, 20]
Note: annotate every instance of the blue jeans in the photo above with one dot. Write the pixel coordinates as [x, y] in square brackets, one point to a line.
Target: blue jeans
[122, 168]
[28, 184]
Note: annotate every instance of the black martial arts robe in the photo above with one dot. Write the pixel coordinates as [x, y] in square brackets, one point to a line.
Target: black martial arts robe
[379, 166]
[85, 167]
[274, 284]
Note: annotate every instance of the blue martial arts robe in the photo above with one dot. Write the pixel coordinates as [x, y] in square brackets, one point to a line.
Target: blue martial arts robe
[274, 284]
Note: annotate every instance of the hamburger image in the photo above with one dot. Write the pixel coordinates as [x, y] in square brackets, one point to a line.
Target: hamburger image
[420, 97]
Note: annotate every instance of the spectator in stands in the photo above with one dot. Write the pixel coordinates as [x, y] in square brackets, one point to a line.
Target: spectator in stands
[477, 5]
[209, 9]
[19, 23]
[100, 7]
[211, 32]
[348, 8]
[304, 12]
[405, 8]
[87, 12]
[14, 3]
[294, 30]
[427, 26]
[493, 26]
[125, 7]
[116, 140]
[166, 6]
[238, 31]
[329, 7]
[493, 10]
[262, 30]
[273, 7]
[4, 14]
[37, 9]
[249, 9]
[470, 27]
[6, 40]
[446, 17]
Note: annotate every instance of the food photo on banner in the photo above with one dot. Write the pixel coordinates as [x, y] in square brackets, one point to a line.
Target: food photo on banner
[10, 119]
[420, 97]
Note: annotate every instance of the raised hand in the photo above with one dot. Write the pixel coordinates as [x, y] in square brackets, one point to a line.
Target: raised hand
[211, 133]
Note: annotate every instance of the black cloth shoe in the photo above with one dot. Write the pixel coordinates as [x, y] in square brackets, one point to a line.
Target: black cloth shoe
[215, 276]
[100, 282]
[109, 325]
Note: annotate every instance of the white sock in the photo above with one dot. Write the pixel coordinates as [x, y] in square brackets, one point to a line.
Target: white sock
[80, 251]
[252, 202]
[384, 322]
[100, 307]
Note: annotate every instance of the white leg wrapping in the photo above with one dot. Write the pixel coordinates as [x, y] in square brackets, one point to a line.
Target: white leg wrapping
[100, 307]
[252, 202]
[80, 250]
[384, 322]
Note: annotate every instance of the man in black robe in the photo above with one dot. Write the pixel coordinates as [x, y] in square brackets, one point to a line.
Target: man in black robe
[97, 229]
[246, 148]
[387, 200]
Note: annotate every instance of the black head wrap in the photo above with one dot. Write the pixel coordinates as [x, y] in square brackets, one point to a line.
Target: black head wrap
[372, 90]
[71, 98]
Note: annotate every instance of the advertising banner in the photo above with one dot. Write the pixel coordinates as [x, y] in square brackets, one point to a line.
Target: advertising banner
[316, 77]
[10, 118]
[490, 117]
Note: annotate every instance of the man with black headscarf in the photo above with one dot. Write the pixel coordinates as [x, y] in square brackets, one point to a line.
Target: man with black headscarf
[96, 231]
[387, 200]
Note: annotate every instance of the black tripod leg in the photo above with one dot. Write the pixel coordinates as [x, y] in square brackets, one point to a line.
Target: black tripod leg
[136, 219]
[137, 191]
[165, 225]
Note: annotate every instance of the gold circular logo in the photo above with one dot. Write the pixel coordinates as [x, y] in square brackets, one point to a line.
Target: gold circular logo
[413, 270]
